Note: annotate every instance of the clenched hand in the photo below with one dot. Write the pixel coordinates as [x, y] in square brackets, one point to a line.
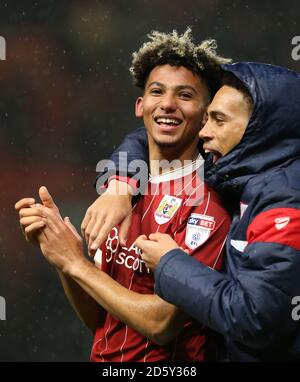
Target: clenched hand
[154, 248]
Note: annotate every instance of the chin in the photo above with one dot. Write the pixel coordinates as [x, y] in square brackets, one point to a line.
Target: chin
[168, 143]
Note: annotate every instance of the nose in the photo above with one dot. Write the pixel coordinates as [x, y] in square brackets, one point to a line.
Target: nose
[206, 133]
[168, 103]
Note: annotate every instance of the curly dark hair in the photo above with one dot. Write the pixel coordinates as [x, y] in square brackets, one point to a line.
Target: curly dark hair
[177, 50]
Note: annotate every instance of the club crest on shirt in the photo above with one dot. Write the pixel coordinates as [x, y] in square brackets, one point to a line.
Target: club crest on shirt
[198, 230]
[167, 209]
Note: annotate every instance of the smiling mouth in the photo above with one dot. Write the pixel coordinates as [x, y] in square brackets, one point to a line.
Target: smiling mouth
[168, 122]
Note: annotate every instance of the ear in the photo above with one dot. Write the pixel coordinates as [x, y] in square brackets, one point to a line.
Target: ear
[139, 107]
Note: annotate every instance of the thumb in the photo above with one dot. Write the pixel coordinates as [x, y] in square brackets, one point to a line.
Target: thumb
[46, 198]
[157, 236]
[123, 231]
[140, 240]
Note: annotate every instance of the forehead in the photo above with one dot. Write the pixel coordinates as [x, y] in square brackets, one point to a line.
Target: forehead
[228, 100]
[173, 76]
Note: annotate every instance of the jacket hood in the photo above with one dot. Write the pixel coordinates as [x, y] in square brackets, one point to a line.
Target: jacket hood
[272, 137]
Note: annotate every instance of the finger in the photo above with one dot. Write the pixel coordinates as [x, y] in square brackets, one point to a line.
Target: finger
[89, 229]
[36, 234]
[104, 231]
[85, 222]
[140, 238]
[93, 236]
[34, 211]
[46, 198]
[72, 228]
[24, 222]
[34, 226]
[157, 236]
[124, 228]
[25, 202]
[145, 245]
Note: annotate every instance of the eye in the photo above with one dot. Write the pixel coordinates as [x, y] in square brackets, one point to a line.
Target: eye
[155, 91]
[185, 95]
[219, 121]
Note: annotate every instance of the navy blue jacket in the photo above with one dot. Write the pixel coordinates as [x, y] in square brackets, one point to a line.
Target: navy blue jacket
[250, 303]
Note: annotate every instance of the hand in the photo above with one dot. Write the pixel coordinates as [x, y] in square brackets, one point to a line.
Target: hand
[63, 246]
[111, 208]
[37, 223]
[154, 248]
[31, 223]
[60, 243]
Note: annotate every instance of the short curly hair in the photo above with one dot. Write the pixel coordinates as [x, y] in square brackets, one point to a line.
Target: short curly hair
[176, 50]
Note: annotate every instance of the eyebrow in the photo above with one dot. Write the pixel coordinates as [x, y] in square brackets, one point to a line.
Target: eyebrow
[178, 87]
[216, 114]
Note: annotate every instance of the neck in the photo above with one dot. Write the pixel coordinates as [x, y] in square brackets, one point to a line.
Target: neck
[165, 159]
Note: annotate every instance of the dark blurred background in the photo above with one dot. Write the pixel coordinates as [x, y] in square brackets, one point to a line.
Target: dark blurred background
[66, 100]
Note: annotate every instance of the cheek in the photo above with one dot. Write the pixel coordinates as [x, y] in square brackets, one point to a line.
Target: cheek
[194, 116]
[232, 137]
[239, 132]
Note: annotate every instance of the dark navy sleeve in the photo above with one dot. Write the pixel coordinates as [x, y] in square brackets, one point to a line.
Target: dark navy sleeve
[251, 304]
[252, 309]
[123, 160]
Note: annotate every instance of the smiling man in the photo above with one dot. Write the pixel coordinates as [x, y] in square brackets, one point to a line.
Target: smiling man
[172, 107]
[116, 299]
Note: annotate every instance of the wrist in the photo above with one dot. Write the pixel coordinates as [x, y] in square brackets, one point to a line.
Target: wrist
[119, 187]
[77, 269]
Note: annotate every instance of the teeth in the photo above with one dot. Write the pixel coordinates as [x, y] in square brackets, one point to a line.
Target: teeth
[168, 121]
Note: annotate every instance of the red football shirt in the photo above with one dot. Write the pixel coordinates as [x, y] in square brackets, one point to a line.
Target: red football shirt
[180, 204]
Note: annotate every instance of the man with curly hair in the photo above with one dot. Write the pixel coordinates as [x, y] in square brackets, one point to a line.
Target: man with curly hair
[116, 299]
[162, 48]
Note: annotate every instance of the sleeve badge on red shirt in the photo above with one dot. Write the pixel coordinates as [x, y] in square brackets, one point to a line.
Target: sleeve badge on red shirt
[198, 230]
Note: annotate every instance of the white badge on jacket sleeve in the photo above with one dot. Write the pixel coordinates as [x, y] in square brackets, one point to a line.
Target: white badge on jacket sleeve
[198, 230]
